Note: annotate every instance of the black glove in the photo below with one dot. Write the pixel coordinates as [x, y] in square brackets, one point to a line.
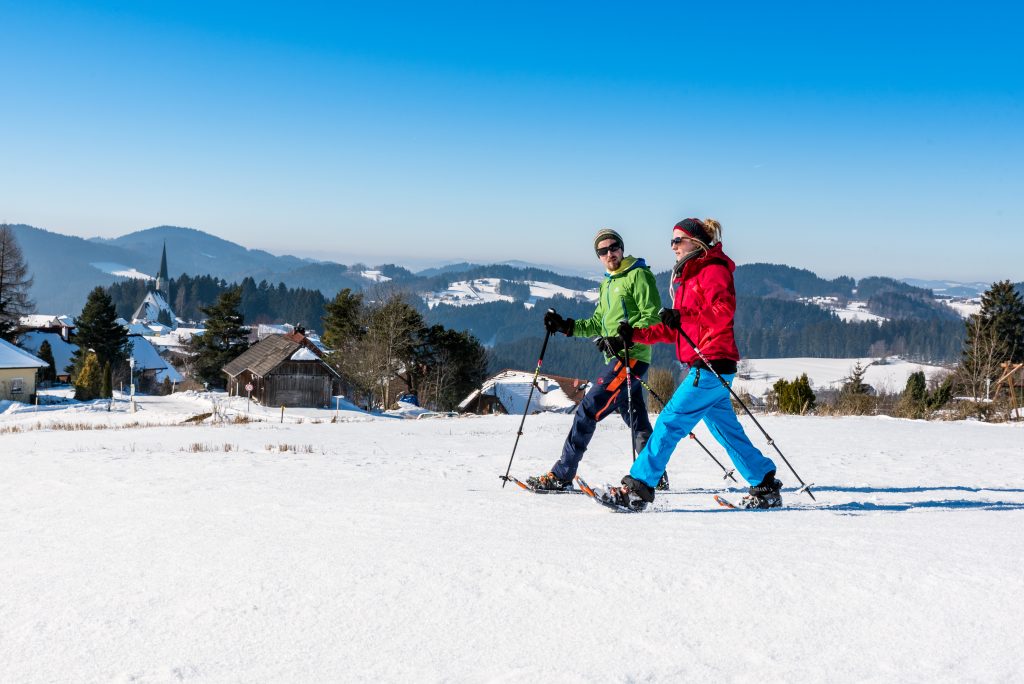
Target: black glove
[626, 333]
[609, 346]
[670, 318]
[554, 323]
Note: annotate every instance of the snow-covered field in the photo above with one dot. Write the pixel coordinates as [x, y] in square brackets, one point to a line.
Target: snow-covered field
[379, 549]
[887, 376]
[484, 290]
[851, 311]
[965, 307]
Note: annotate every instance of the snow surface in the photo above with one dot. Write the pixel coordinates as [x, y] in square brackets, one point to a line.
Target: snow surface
[14, 357]
[965, 307]
[887, 376]
[375, 549]
[304, 354]
[121, 270]
[852, 311]
[375, 276]
[484, 290]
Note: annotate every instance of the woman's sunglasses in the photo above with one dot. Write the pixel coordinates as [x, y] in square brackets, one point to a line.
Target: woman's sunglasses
[610, 248]
[678, 240]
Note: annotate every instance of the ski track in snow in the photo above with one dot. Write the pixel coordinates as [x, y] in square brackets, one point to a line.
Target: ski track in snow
[387, 550]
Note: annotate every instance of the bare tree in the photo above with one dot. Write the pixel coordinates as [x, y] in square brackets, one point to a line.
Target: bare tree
[982, 363]
[15, 282]
[388, 349]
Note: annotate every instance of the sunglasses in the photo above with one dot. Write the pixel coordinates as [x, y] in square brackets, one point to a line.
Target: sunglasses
[610, 248]
[678, 240]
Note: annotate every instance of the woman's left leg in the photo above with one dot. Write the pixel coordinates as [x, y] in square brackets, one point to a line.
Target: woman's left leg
[748, 459]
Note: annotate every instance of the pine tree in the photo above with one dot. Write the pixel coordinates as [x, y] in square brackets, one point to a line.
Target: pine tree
[1002, 312]
[913, 401]
[452, 363]
[343, 319]
[223, 340]
[97, 329]
[88, 380]
[854, 396]
[15, 283]
[106, 385]
[916, 389]
[995, 335]
[795, 397]
[48, 374]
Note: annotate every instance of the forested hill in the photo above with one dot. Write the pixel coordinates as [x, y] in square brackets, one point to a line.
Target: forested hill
[786, 282]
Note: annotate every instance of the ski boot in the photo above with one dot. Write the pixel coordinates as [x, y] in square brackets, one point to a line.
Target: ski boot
[548, 481]
[663, 482]
[767, 494]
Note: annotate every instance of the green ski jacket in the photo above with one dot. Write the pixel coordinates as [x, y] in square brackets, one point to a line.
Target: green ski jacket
[633, 284]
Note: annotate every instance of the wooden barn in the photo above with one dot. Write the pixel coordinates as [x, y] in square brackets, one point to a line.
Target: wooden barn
[284, 370]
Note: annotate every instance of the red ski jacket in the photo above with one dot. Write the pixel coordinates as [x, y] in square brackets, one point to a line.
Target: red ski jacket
[706, 299]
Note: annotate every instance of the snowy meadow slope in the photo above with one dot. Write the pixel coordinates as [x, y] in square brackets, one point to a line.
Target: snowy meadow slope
[381, 548]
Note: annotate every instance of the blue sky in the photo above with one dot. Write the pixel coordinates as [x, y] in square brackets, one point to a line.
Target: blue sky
[857, 139]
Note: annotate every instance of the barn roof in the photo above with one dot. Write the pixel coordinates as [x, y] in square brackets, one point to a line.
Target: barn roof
[270, 352]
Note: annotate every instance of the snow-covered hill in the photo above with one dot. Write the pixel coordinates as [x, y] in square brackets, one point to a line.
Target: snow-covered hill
[378, 549]
[851, 311]
[484, 290]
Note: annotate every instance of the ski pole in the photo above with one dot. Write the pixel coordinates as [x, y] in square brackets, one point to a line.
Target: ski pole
[804, 487]
[629, 385]
[536, 373]
[728, 472]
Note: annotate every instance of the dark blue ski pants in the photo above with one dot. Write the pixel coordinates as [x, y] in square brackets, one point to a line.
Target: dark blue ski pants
[606, 395]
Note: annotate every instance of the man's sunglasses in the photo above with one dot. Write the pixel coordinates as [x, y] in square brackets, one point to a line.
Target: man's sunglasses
[610, 248]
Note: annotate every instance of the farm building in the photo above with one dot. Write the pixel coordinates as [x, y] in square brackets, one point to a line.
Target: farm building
[284, 370]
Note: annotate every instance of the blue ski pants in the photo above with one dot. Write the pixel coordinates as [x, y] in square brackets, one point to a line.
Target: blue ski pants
[701, 395]
[606, 395]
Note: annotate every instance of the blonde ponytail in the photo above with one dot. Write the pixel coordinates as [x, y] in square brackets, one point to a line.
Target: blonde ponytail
[714, 231]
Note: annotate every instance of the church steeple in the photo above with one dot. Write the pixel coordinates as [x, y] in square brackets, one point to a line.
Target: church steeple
[163, 282]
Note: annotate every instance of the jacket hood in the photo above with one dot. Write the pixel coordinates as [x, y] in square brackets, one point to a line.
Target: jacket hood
[628, 264]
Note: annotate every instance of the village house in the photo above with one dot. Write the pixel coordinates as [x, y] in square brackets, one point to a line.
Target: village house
[507, 392]
[150, 370]
[18, 371]
[33, 330]
[284, 370]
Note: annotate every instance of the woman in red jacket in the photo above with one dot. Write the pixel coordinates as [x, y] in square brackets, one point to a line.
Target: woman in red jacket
[704, 304]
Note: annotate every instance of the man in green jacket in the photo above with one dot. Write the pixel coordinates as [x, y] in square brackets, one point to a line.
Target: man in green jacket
[628, 284]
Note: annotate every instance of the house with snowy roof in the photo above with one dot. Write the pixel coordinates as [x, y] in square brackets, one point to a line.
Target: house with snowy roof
[150, 369]
[62, 350]
[18, 371]
[509, 390]
[284, 370]
[61, 325]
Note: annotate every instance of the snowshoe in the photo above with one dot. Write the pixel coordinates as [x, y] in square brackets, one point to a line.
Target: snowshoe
[663, 483]
[767, 494]
[548, 482]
